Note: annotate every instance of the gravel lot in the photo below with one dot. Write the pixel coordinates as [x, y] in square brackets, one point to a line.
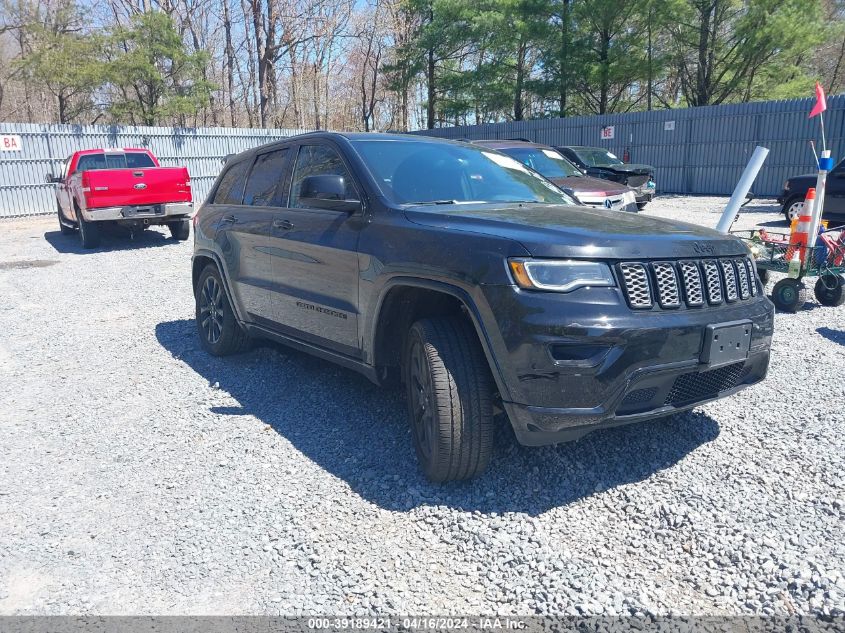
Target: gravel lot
[140, 475]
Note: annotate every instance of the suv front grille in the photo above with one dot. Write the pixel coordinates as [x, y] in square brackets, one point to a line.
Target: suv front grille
[688, 282]
[707, 384]
[691, 276]
[668, 293]
[637, 285]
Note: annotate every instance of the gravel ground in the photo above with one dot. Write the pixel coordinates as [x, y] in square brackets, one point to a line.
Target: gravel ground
[140, 475]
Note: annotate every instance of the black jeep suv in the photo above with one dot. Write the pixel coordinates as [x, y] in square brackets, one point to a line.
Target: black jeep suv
[469, 278]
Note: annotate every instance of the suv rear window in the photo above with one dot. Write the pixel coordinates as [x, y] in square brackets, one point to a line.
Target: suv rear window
[264, 179]
[231, 187]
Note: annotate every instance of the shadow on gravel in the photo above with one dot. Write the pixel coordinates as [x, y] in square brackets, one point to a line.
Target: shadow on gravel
[358, 432]
[114, 240]
[774, 224]
[837, 336]
[760, 207]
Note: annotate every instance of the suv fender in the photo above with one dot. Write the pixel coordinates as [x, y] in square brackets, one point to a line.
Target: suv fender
[464, 299]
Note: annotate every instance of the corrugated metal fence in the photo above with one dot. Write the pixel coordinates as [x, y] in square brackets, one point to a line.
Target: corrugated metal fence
[695, 150]
[24, 191]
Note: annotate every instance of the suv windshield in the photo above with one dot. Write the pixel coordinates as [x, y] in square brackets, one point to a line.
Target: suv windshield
[414, 172]
[547, 161]
[597, 157]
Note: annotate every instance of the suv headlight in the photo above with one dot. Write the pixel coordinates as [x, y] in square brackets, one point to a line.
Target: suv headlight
[560, 275]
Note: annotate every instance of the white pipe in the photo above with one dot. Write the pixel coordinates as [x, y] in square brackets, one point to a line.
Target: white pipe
[818, 205]
[742, 188]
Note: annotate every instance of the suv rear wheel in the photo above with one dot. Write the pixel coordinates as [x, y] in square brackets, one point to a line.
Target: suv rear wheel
[450, 398]
[219, 331]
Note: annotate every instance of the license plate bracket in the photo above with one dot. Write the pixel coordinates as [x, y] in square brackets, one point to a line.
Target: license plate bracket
[726, 343]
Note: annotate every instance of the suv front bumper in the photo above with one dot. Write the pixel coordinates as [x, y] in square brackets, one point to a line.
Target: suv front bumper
[572, 363]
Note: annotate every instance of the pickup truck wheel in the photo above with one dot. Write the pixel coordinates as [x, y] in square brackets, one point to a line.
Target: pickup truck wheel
[219, 331]
[89, 232]
[450, 398]
[180, 230]
[64, 228]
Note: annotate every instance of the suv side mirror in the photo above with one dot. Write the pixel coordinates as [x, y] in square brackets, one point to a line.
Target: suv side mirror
[327, 191]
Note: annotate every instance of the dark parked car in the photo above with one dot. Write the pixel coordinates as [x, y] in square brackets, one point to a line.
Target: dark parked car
[549, 162]
[795, 190]
[457, 271]
[601, 163]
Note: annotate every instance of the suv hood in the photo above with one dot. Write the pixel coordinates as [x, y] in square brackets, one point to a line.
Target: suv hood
[588, 185]
[573, 231]
[635, 169]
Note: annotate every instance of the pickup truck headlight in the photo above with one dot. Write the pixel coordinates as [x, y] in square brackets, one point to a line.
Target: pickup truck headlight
[559, 275]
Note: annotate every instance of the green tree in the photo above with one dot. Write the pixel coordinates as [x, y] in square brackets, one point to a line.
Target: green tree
[735, 50]
[155, 78]
[69, 65]
[611, 37]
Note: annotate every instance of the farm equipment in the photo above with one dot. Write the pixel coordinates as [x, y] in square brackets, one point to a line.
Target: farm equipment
[782, 253]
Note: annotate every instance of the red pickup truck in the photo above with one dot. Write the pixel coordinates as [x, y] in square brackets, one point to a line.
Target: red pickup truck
[121, 186]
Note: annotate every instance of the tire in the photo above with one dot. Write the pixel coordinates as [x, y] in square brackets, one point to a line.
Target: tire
[180, 230]
[763, 274]
[792, 208]
[90, 233]
[450, 398]
[64, 228]
[789, 295]
[830, 290]
[219, 331]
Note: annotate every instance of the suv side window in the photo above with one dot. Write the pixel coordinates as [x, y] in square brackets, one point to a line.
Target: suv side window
[319, 160]
[231, 187]
[265, 178]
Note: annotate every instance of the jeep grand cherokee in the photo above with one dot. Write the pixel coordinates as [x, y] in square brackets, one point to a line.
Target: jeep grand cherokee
[473, 281]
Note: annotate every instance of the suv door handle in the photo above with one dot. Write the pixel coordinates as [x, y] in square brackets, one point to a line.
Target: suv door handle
[287, 225]
[229, 219]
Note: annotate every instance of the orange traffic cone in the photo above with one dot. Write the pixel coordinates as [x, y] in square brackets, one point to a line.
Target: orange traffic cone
[800, 237]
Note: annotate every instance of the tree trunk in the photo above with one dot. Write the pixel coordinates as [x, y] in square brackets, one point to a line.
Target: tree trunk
[702, 77]
[565, 28]
[604, 72]
[230, 62]
[62, 108]
[432, 93]
[650, 82]
[518, 106]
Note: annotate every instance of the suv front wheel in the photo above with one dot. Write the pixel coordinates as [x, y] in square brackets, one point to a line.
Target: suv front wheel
[450, 398]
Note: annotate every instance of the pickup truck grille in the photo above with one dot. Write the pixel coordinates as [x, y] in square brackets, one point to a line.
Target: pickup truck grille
[690, 283]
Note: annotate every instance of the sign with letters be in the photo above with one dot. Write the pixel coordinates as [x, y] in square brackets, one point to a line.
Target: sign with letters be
[10, 143]
[607, 132]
